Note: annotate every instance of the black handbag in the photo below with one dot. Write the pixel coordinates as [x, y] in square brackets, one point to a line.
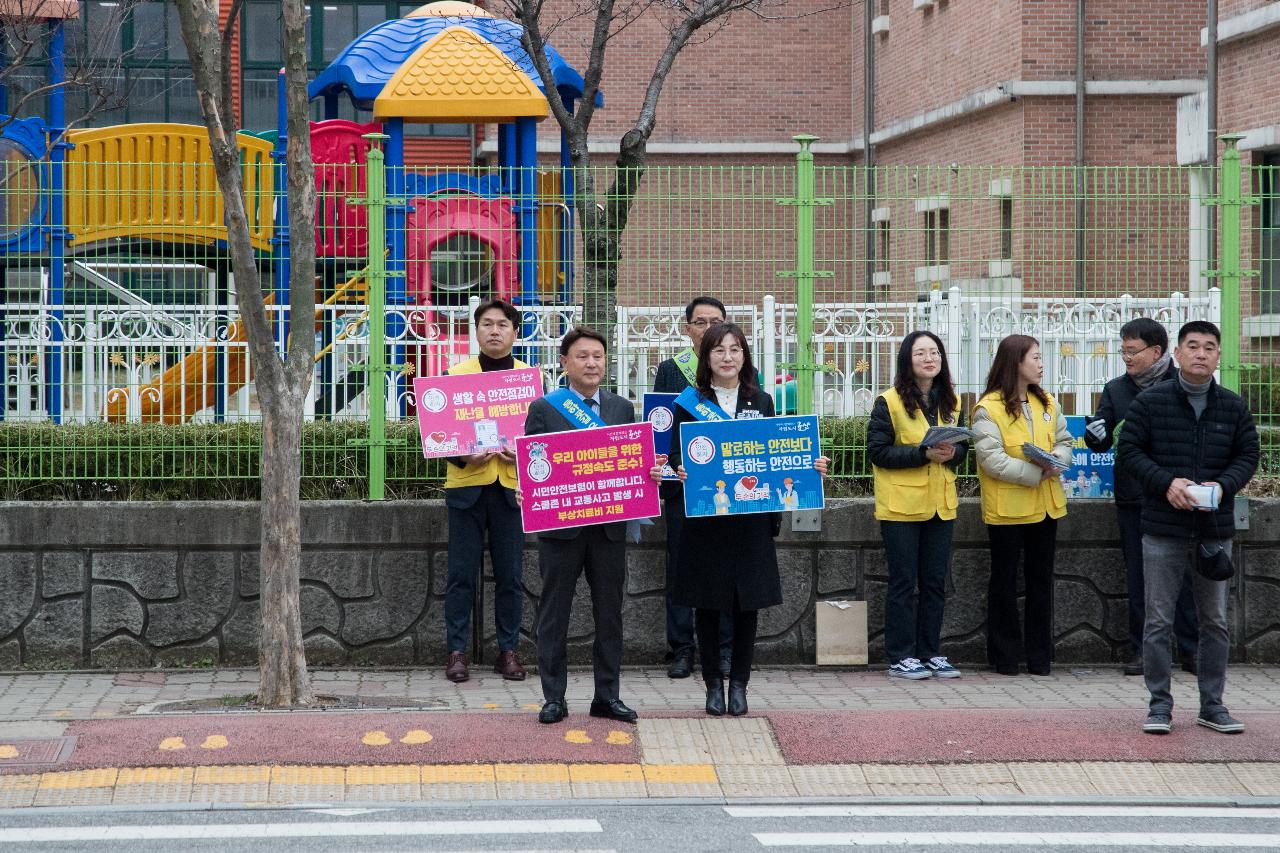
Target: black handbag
[1213, 561]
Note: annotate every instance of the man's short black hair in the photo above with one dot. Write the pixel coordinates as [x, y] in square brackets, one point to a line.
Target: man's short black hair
[1199, 327]
[508, 310]
[576, 334]
[703, 300]
[1146, 330]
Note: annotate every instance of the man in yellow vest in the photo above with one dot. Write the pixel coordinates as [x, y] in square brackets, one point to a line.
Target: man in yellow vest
[479, 491]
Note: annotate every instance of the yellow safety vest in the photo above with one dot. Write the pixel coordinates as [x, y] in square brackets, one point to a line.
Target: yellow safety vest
[495, 468]
[914, 494]
[1012, 503]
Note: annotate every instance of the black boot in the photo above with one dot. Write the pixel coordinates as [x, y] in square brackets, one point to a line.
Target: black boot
[737, 698]
[715, 698]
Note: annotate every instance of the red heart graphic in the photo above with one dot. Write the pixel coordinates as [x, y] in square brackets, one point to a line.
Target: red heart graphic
[660, 459]
[748, 483]
[437, 437]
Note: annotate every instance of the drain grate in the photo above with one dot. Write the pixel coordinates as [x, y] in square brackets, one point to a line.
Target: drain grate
[21, 755]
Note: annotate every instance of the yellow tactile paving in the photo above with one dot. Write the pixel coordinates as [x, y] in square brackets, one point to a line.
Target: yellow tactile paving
[226, 775]
[452, 774]
[681, 774]
[104, 778]
[387, 774]
[606, 773]
[313, 775]
[1262, 780]
[17, 783]
[155, 776]
[384, 793]
[531, 772]
[18, 792]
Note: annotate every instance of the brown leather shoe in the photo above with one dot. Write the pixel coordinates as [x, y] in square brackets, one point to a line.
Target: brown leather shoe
[456, 670]
[508, 666]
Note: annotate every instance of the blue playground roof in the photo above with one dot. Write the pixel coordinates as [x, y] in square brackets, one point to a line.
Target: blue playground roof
[365, 66]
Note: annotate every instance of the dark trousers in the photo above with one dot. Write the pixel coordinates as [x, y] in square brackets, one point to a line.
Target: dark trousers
[561, 561]
[917, 553]
[491, 512]
[1033, 546]
[1186, 628]
[680, 630]
[744, 624]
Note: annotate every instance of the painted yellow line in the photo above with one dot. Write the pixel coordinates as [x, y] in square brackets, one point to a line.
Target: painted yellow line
[447, 774]
[489, 706]
[103, 778]
[531, 706]
[606, 773]
[531, 772]
[387, 774]
[308, 775]
[678, 774]
[416, 736]
[214, 742]
[155, 776]
[223, 774]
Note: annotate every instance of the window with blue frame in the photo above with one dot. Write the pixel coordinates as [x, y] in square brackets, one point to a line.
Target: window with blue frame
[331, 26]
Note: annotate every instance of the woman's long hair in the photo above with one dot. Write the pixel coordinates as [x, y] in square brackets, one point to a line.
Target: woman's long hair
[1003, 376]
[710, 340]
[904, 381]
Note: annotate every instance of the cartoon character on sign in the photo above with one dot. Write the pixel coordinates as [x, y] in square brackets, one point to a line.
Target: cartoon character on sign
[790, 500]
[539, 467]
[721, 500]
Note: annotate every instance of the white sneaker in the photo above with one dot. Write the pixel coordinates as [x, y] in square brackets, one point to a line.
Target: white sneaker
[941, 668]
[909, 668]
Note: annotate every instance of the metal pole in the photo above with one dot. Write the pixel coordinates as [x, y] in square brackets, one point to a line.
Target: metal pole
[868, 153]
[1079, 175]
[376, 365]
[1211, 127]
[1231, 201]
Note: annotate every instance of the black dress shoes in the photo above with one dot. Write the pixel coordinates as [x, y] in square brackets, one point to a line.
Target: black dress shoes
[612, 709]
[737, 698]
[681, 666]
[715, 698]
[553, 711]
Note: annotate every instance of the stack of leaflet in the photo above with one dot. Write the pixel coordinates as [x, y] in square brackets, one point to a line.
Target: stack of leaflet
[946, 435]
[1038, 456]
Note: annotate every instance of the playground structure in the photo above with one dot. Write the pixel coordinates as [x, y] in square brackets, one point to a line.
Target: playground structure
[102, 205]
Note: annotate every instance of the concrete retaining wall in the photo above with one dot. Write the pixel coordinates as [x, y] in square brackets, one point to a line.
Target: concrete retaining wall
[143, 584]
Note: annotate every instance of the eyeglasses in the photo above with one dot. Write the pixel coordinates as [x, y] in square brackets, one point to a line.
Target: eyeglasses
[703, 322]
[732, 352]
[1130, 355]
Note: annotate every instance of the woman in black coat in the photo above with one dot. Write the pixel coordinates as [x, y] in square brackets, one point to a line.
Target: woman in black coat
[727, 563]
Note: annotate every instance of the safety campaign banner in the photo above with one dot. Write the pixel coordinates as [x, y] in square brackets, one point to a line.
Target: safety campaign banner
[472, 412]
[586, 476]
[1091, 475]
[747, 466]
[659, 410]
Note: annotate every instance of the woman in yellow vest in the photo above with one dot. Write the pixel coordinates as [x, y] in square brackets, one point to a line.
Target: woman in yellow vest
[1022, 501]
[916, 504]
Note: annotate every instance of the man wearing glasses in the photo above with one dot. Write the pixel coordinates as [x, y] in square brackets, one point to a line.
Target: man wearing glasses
[675, 375]
[1144, 346]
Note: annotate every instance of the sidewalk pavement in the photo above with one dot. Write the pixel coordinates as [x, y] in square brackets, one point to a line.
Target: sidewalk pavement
[94, 738]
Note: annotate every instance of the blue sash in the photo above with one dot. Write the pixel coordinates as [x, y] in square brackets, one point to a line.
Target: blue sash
[704, 410]
[575, 411]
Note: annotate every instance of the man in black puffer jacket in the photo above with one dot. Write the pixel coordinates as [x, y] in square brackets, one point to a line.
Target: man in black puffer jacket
[1187, 432]
[1144, 347]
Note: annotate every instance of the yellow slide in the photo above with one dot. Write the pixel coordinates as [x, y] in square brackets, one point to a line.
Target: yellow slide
[191, 385]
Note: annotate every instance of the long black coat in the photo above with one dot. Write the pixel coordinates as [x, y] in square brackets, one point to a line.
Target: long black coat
[723, 558]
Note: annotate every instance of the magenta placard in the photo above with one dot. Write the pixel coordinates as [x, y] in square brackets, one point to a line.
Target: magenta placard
[471, 412]
[586, 476]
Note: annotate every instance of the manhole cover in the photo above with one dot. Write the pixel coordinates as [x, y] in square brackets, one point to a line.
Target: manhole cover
[21, 755]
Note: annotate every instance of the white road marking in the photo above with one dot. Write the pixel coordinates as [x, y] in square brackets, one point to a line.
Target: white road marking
[348, 829]
[1218, 841]
[1242, 812]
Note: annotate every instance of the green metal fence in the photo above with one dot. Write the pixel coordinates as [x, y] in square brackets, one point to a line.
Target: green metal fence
[127, 373]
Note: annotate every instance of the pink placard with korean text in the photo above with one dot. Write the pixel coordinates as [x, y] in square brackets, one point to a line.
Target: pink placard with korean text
[586, 476]
[473, 412]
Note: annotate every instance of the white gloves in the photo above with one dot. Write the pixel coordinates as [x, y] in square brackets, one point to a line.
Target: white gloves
[1097, 429]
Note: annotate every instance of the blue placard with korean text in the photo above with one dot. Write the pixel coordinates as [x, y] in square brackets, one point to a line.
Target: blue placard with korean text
[747, 466]
[659, 410]
[1091, 475]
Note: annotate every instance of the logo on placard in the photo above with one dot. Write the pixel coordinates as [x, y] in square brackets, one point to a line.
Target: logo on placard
[434, 400]
[539, 467]
[750, 489]
[661, 419]
[702, 450]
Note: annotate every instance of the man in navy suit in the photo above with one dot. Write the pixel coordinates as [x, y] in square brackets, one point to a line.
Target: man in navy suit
[597, 549]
